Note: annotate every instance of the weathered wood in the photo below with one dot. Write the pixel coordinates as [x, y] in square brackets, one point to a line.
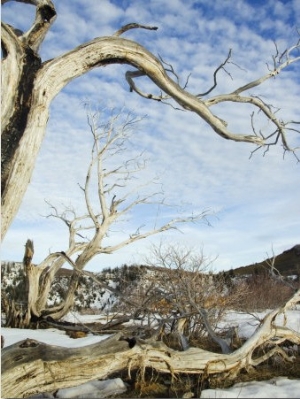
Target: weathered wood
[30, 85]
[30, 366]
[96, 327]
[18, 315]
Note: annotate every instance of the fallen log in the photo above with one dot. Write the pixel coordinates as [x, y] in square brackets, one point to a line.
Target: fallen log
[79, 327]
[30, 367]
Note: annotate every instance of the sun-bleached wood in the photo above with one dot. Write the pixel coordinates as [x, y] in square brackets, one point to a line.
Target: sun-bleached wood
[30, 366]
[29, 85]
[88, 229]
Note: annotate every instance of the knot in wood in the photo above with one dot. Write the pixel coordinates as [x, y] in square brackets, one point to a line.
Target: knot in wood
[29, 343]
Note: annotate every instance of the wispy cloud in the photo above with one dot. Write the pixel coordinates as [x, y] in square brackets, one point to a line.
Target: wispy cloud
[256, 199]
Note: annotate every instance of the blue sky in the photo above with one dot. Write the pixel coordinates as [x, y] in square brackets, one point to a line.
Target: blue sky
[254, 202]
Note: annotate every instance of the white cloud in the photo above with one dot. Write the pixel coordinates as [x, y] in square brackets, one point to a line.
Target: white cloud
[256, 199]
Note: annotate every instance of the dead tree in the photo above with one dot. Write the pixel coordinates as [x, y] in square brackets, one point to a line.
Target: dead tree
[29, 86]
[39, 367]
[89, 231]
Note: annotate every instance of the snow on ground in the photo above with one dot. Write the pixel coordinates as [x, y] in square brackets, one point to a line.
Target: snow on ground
[50, 336]
[247, 323]
[280, 387]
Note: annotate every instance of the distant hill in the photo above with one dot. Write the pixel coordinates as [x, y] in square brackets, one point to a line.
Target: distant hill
[104, 296]
[287, 263]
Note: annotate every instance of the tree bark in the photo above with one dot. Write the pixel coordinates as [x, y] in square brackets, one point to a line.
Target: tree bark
[30, 366]
[30, 85]
[20, 316]
[47, 80]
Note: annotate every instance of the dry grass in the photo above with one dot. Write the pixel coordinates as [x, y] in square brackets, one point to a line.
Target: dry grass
[156, 385]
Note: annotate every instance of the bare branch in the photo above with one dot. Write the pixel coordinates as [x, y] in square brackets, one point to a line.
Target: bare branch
[129, 75]
[39, 82]
[277, 69]
[133, 26]
[89, 231]
[215, 75]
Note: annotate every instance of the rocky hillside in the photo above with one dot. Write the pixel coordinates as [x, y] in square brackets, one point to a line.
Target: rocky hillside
[91, 295]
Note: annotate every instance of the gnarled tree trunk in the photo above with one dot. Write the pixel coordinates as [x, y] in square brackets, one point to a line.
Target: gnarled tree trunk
[98, 219]
[30, 366]
[29, 85]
